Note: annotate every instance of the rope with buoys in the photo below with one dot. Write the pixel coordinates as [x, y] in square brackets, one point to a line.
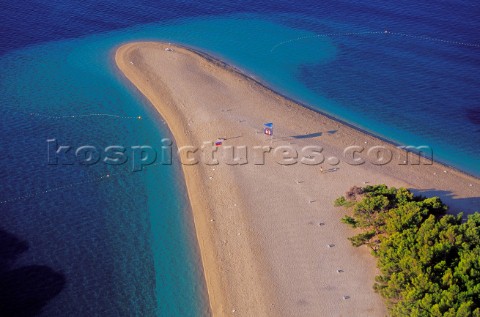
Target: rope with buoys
[97, 179]
[34, 194]
[35, 114]
[386, 32]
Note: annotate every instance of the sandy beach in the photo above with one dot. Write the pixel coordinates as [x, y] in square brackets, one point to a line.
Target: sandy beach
[270, 239]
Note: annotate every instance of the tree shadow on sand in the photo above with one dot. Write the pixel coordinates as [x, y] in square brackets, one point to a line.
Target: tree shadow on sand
[24, 291]
[467, 205]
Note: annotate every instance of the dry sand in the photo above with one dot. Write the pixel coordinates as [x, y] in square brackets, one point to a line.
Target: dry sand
[263, 230]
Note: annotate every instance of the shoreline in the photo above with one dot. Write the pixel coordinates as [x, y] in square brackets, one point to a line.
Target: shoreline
[212, 58]
[258, 275]
[216, 293]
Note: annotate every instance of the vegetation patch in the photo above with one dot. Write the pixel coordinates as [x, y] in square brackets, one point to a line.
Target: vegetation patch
[429, 261]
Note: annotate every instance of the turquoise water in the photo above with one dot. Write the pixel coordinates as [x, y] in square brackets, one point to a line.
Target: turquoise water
[125, 244]
[400, 104]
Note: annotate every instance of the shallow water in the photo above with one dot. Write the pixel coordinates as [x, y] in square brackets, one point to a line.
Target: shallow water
[124, 244]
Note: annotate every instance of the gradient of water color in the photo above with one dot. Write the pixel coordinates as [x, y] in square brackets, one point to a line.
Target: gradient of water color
[125, 244]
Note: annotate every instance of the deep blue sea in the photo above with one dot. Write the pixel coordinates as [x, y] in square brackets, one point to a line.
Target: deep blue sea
[74, 242]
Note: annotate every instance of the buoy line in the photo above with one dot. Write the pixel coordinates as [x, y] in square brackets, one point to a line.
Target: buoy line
[35, 114]
[386, 32]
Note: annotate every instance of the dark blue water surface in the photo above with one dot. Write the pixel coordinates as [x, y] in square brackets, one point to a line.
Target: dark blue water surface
[75, 242]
